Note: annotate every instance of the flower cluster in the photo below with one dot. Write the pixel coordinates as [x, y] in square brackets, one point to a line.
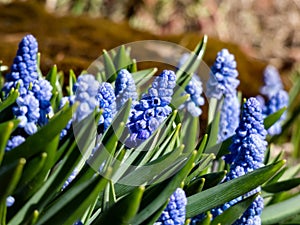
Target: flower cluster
[107, 102]
[125, 88]
[24, 67]
[14, 141]
[247, 154]
[33, 106]
[174, 213]
[223, 82]
[223, 77]
[152, 109]
[229, 117]
[277, 97]
[86, 90]
[193, 103]
[272, 82]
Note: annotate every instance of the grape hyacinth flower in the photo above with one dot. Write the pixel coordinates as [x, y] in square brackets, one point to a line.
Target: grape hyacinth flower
[28, 112]
[70, 178]
[86, 89]
[107, 101]
[24, 67]
[14, 142]
[33, 105]
[223, 77]
[63, 101]
[152, 109]
[229, 117]
[247, 154]
[277, 101]
[193, 103]
[125, 89]
[42, 90]
[272, 82]
[10, 200]
[174, 213]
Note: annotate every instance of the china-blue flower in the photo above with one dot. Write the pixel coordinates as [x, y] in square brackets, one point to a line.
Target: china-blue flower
[272, 82]
[125, 88]
[24, 66]
[229, 117]
[42, 90]
[175, 211]
[10, 200]
[247, 154]
[86, 90]
[13, 142]
[223, 77]
[193, 103]
[63, 101]
[107, 101]
[276, 102]
[27, 110]
[152, 109]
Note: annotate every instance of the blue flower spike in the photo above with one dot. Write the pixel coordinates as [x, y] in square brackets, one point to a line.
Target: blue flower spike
[277, 102]
[272, 82]
[174, 213]
[86, 90]
[107, 101]
[229, 117]
[152, 109]
[24, 67]
[223, 77]
[125, 88]
[246, 155]
[33, 106]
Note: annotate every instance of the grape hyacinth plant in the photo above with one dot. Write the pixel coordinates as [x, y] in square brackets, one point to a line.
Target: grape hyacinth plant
[152, 109]
[247, 154]
[135, 157]
[174, 213]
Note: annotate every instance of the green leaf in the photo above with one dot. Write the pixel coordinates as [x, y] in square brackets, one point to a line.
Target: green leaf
[157, 197]
[122, 59]
[189, 132]
[110, 137]
[31, 169]
[273, 118]
[213, 179]
[229, 216]
[206, 200]
[11, 174]
[220, 149]
[73, 203]
[44, 135]
[176, 102]
[213, 130]
[11, 99]
[284, 210]
[109, 68]
[193, 61]
[52, 78]
[141, 77]
[201, 165]
[6, 129]
[124, 210]
[72, 81]
[26, 190]
[195, 186]
[282, 186]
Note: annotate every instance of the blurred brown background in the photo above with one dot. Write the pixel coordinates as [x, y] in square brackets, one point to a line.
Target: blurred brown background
[72, 34]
